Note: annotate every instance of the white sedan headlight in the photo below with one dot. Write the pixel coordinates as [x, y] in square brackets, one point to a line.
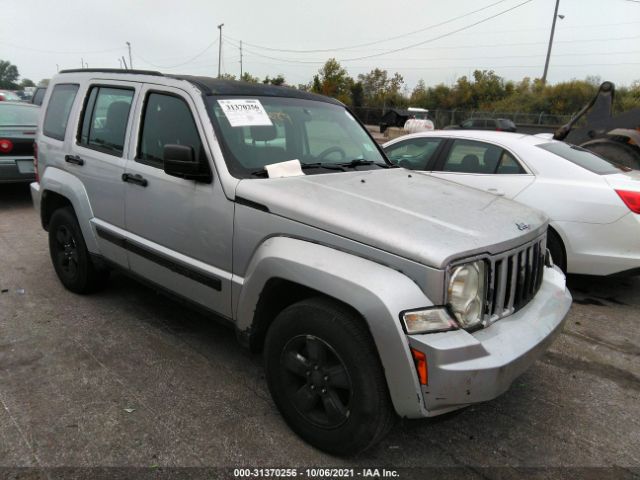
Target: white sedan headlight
[466, 293]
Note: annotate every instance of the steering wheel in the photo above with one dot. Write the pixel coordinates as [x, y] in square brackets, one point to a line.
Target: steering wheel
[331, 150]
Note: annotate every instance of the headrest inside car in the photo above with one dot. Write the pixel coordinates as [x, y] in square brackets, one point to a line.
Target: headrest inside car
[263, 133]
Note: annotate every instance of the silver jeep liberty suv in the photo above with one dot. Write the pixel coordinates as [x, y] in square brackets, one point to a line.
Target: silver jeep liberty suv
[373, 292]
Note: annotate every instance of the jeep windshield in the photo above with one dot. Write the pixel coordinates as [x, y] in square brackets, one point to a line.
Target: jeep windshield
[263, 130]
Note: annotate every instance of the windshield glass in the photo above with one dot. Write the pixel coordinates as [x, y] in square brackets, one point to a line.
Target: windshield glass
[582, 157]
[18, 115]
[261, 131]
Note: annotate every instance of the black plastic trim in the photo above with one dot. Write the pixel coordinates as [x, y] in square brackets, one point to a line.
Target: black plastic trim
[209, 281]
[251, 204]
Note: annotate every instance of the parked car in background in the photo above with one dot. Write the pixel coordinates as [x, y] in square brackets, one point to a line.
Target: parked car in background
[594, 205]
[372, 293]
[38, 95]
[18, 123]
[9, 96]
[497, 124]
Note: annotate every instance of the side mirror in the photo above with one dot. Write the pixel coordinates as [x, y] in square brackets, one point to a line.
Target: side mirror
[179, 161]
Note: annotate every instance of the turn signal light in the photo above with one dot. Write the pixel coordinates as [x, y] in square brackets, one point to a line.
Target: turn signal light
[630, 199]
[420, 359]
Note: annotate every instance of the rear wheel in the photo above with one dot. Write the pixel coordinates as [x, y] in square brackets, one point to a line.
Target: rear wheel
[69, 254]
[614, 151]
[325, 377]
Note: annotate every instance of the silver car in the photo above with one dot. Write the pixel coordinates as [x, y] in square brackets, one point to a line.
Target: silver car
[374, 292]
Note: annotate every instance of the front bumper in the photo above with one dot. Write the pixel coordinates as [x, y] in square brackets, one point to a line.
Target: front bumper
[466, 368]
[16, 170]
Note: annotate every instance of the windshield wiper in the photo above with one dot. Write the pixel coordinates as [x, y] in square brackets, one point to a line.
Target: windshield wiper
[356, 162]
[327, 166]
[261, 172]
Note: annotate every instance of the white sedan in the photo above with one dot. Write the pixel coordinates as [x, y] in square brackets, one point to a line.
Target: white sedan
[593, 206]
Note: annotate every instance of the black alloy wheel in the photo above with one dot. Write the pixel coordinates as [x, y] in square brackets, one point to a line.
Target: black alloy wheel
[325, 376]
[317, 381]
[71, 259]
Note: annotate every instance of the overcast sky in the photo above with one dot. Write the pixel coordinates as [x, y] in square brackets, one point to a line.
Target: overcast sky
[595, 38]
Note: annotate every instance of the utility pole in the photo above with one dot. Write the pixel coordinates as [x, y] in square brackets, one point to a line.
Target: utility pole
[125, 63]
[130, 60]
[220, 48]
[81, 62]
[240, 59]
[120, 62]
[553, 29]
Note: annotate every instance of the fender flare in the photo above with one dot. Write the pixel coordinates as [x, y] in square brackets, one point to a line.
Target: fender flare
[64, 184]
[377, 292]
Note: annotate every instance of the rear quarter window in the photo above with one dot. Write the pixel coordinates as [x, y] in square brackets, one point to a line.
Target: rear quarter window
[58, 110]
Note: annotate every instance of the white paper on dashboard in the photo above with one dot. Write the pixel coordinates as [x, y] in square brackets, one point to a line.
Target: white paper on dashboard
[290, 168]
[245, 112]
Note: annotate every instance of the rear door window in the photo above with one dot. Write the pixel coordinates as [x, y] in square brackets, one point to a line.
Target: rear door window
[58, 110]
[470, 156]
[105, 119]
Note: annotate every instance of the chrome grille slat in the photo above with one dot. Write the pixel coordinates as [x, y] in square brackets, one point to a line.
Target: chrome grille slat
[514, 279]
[501, 288]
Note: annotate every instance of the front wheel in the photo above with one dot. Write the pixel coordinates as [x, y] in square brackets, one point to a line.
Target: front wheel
[69, 254]
[325, 377]
[557, 250]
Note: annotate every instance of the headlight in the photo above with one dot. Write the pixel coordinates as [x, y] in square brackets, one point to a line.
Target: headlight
[467, 292]
[428, 320]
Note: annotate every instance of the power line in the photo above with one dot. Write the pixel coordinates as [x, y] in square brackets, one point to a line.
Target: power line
[285, 50]
[178, 64]
[320, 62]
[486, 19]
[448, 34]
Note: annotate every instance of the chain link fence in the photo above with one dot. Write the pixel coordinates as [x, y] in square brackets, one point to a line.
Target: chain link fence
[442, 118]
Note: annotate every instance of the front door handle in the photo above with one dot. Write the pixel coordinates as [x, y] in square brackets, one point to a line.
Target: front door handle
[75, 159]
[496, 191]
[137, 179]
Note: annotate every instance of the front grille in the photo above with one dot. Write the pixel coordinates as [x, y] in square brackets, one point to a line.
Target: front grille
[514, 279]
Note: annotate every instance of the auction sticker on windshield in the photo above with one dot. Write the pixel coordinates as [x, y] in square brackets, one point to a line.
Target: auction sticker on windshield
[245, 113]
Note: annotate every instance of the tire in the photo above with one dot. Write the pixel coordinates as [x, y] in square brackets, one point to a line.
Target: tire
[69, 255]
[614, 151]
[325, 377]
[558, 252]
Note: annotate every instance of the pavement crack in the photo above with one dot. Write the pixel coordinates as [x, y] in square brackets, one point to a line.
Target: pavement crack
[22, 434]
[623, 378]
[629, 349]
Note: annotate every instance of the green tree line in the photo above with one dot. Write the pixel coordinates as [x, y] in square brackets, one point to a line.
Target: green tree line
[483, 90]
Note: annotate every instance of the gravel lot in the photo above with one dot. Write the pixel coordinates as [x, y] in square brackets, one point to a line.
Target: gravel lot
[129, 378]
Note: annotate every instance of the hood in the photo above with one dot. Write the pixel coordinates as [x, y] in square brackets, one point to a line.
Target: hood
[407, 213]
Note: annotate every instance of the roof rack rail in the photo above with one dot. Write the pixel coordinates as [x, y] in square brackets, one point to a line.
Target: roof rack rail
[113, 70]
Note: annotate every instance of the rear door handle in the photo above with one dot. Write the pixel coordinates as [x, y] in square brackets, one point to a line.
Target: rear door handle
[496, 191]
[137, 179]
[75, 159]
